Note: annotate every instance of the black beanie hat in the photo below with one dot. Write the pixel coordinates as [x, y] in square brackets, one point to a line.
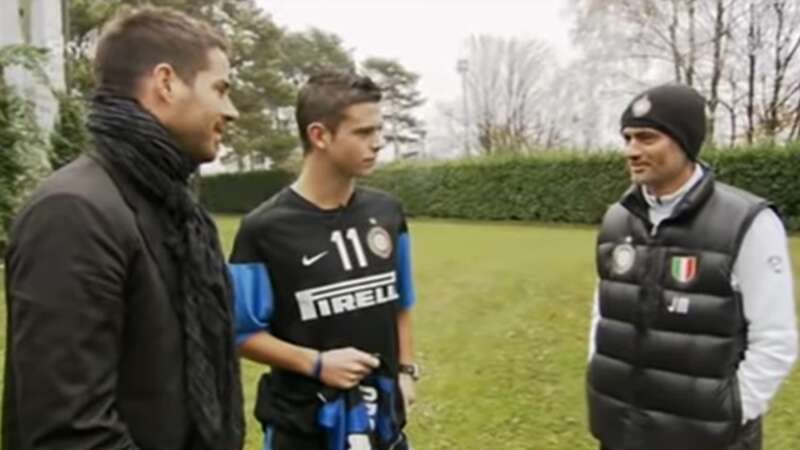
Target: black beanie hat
[674, 109]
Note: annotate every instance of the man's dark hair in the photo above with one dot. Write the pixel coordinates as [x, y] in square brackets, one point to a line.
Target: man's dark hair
[325, 97]
[136, 40]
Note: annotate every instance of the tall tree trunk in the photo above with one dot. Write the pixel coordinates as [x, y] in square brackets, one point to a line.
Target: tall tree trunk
[690, 66]
[795, 134]
[65, 33]
[716, 73]
[677, 58]
[795, 123]
[732, 113]
[777, 83]
[753, 34]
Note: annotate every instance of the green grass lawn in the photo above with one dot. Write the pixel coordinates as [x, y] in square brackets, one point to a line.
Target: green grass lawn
[501, 332]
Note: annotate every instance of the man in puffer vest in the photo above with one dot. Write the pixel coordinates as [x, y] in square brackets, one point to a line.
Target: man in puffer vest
[694, 325]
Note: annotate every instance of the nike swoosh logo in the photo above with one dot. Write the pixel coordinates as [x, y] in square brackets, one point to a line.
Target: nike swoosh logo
[309, 261]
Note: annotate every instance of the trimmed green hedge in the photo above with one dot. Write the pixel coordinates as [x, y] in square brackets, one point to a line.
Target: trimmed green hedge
[239, 193]
[555, 187]
[771, 173]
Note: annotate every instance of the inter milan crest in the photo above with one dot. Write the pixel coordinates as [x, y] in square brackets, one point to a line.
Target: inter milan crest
[641, 107]
[684, 268]
[379, 241]
[623, 258]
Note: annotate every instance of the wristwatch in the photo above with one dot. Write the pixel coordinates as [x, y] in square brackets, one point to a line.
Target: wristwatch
[411, 370]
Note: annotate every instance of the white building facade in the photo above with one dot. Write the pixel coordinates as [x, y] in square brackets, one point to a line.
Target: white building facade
[38, 23]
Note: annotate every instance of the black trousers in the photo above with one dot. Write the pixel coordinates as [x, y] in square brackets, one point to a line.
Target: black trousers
[751, 438]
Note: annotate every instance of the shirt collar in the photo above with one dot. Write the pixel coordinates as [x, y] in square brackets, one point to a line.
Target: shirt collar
[670, 200]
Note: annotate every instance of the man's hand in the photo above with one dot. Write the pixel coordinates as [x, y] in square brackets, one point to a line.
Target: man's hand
[408, 388]
[344, 368]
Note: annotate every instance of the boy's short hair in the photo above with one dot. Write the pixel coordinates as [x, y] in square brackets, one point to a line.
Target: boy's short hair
[325, 97]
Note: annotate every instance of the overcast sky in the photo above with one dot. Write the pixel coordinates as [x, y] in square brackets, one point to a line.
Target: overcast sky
[425, 36]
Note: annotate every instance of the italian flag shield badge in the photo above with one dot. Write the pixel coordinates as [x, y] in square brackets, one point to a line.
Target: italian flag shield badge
[684, 268]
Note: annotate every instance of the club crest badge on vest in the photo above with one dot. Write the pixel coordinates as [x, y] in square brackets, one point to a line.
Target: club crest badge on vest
[379, 241]
[623, 257]
[684, 268]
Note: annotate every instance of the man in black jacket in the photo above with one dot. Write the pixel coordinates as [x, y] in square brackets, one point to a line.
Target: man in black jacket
[694, 324]
[119, 310]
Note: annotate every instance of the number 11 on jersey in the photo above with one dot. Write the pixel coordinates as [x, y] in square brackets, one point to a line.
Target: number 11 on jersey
[338, 238]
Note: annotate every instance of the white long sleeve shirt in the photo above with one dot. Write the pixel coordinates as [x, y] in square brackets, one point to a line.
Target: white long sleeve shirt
[763, 274]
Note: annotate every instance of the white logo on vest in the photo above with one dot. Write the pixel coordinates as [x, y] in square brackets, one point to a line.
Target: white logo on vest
[679, 305]
[624, 256]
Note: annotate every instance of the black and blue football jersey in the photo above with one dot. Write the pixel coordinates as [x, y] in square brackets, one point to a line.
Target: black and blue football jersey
[322, 279]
